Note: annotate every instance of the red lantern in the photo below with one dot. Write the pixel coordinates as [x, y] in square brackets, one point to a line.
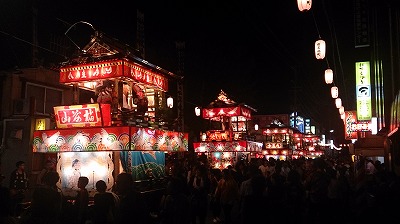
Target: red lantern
[304, 5]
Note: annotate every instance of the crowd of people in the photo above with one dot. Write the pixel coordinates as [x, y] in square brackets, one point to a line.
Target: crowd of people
[320, 190]
[300, 190]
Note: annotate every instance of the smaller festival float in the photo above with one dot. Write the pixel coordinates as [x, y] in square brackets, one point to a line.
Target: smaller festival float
[227, 139]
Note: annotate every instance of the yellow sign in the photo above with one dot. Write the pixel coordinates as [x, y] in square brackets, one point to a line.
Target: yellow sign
[363, 91]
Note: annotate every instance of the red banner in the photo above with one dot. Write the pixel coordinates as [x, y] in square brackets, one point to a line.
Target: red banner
[112, 69]
[350, 118]
[85, 115]
[226, 112]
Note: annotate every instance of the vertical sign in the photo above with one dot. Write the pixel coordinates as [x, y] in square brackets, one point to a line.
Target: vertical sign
[361, 28]
[307, 126]
[350, 118]
[363, 91]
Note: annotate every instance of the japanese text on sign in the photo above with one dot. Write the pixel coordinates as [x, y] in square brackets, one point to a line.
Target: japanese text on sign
[82, 115]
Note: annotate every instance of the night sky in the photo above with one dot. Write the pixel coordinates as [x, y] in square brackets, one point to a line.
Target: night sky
[259, 52]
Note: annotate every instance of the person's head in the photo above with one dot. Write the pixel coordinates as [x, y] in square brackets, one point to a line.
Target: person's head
[123, 183]
[101, 186]
[227, 174]
[51, 178]
[20, 165]
[83, 182]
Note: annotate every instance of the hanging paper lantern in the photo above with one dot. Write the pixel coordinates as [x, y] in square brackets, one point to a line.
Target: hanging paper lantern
[320, 49]
[256, 127]
[341, 110]
[197, 111]
[304, 5]
[170, 102]
[343, 116]
[328, 76]
[338, 102]
[334, 92]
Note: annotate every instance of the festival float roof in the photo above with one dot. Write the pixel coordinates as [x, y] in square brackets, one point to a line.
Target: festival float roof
[105, 57]
[223, 106]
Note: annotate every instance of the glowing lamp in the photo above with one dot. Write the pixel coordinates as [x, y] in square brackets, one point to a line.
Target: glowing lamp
[197, 111]
[256, 127]
[338, 102]
[304, 5]
[320, 49]
[334, 92]
[341, 110]
[343, 116]
[328, 76]
[170, 102]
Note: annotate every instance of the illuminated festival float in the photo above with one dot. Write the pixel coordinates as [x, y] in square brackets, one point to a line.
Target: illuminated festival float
[118, 122]
[227, 139]
[283, 141]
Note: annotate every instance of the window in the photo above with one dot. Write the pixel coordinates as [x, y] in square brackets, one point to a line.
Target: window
[46, 97]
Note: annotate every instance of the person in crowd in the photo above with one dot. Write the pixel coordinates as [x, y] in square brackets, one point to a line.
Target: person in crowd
[370, 170]
[215, 206]
[252, 196]
[131, 204]
[48, 167]
[19, 184]
[228, 192]
[276, 192]
[295, 198]
[46, 203]
[104, 208]
[199, 188]
[271, 166]
[285, 168]
[82, 200]
[317, 187]
[174, 205]
[5, 202]
[264, 167]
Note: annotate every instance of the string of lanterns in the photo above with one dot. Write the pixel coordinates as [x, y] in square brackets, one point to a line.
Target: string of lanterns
[320, 50]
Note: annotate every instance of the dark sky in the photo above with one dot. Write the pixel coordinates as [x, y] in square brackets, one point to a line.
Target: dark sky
[259, 52]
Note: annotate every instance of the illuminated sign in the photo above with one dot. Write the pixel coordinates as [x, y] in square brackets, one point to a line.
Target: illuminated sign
[226, 112]
[42, 124]
[273, 145]
[218, 135]
[361, 127]
[363, 91]
[307, 125]
[350, 118]
[85, 115]
[112, 69]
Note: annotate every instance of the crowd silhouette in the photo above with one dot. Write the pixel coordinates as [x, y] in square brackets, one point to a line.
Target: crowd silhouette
[320, 190]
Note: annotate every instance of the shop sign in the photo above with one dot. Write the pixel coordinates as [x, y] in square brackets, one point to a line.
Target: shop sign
[363, 91]
[85, 115]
